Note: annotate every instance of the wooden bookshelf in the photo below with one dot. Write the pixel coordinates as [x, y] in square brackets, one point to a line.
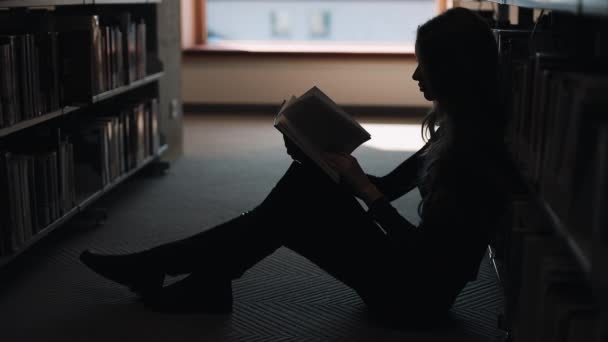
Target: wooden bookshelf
[145, 103]
[554, 259]
[589, 7]
[39, 3]
[49, 3]
[577, 244]
[79, 208]
[121, 90]
[35, 121]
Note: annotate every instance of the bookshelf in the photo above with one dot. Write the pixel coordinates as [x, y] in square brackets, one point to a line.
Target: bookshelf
[551, 258]
[83, 94]
[69, 109]
[123, 89]
[35, 121]
[585, 7]
[82, 206]
[48, 3]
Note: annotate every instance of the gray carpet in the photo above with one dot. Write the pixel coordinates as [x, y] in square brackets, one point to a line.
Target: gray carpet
[230, 164]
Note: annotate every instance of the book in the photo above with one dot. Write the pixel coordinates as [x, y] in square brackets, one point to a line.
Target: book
[9, 82]
[600, 217]
[581, 326]
[82, 59]
[154, 126]
[317, 125]
[141, 50]
[562, 291]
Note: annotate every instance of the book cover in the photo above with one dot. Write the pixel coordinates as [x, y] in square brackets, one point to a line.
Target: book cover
[9, 98]
[47, 44]
[82, 57]
[154, 127]
[141, 50]
[89, 159]
[317, 125]
[42, 191]
[6, 222]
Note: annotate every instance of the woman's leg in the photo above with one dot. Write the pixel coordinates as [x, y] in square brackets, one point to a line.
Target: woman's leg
[307, 212]
[324, 223]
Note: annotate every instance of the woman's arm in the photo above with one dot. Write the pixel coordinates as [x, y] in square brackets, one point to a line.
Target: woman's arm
[391, 221]
[353, 177]
[403, 178]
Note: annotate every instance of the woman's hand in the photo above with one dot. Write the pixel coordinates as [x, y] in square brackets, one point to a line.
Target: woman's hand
[353, 176]
[293, 150]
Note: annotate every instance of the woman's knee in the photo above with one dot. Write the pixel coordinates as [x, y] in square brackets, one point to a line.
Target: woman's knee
[303, 182]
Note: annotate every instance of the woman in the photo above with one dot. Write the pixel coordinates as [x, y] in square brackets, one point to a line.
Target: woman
[402, 272]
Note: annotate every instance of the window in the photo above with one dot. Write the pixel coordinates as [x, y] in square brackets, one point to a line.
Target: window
[316, 22]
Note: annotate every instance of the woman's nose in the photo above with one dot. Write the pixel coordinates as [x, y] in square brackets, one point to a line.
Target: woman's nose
[416, 74]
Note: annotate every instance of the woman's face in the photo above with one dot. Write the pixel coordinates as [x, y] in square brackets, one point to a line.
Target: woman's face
[423, 83]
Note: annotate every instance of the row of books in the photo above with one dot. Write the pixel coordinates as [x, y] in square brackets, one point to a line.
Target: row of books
[49, 59]
[555, 302]
[557, 103]
[29, 76]
[559, 139]
[37, 188]
[38, 185]
[111, 145]
[120, 51]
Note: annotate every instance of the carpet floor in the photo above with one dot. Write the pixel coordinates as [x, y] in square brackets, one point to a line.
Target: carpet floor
[230, 163]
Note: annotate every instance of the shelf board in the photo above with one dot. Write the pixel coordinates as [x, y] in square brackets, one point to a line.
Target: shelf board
[97, 98]
[34, 121]
[39, 3]
[579, 246]
[120, 90]
[80, 207]
[52, 3]
[587, 7]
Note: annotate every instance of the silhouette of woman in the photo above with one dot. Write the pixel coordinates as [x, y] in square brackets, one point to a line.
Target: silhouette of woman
[402, 272]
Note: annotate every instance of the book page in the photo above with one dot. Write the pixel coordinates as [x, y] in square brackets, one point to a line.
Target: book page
[287, 104]
[303, 144]
[321, 95]
[317, 125]
[324, 124]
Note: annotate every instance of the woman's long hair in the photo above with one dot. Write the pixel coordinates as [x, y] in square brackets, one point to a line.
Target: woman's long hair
[459, 56]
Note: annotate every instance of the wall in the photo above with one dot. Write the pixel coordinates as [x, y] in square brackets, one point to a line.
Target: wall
[246, 79]
[187, 23]
[169, 51]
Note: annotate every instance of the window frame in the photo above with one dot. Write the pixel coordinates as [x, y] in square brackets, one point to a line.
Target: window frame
[195, 43]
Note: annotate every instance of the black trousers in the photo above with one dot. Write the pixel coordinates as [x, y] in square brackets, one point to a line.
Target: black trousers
[310, 214]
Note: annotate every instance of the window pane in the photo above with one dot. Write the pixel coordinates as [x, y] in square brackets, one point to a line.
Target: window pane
[354, 21]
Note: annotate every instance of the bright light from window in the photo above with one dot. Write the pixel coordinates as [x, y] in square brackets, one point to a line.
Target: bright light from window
[394, 137]
[347, 21]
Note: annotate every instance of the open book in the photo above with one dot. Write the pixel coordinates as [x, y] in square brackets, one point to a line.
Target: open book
[317, 125]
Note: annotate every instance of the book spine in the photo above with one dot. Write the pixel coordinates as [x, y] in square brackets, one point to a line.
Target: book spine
[6, 224]
[33, 203]
[155, 132]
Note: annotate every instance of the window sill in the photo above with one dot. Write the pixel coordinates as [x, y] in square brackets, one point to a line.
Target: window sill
[240, 48]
